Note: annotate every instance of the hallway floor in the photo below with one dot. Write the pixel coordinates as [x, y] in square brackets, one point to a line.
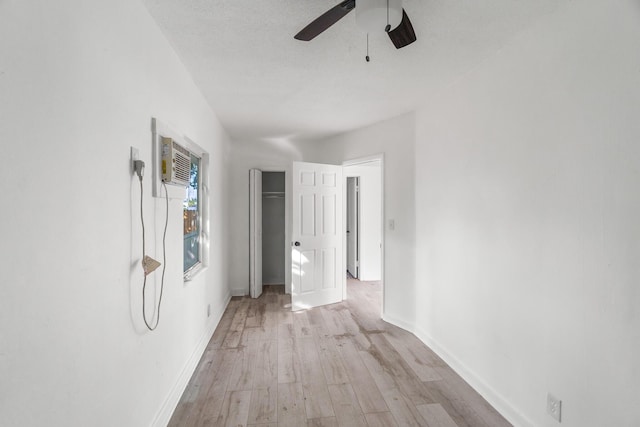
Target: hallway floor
[337, 365]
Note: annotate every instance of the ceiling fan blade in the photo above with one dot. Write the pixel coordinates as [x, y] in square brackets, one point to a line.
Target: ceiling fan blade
[403, 34]
[326, 20]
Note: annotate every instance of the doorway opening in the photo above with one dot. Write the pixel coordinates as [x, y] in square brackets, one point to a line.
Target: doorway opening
[273, 228]
[364, 225]
[353, 227]
[316, 259]
[268, 261]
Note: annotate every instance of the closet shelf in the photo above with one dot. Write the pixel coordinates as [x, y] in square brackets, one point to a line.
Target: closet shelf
[273, 194]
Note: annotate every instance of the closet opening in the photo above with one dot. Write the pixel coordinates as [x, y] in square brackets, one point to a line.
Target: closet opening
[273, 228]
[268, 261]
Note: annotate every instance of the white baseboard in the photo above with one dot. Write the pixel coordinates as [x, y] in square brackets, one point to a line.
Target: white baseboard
[173, 398]
[494, 398]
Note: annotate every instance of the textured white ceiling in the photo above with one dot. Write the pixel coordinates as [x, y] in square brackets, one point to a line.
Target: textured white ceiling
[263, 83]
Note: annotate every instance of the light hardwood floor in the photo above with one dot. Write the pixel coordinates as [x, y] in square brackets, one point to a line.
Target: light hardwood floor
[337, 365]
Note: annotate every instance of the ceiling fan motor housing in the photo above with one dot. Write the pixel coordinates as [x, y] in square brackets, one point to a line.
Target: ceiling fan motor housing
[371, 15]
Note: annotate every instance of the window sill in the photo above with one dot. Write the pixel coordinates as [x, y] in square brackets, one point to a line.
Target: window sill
[190, 274]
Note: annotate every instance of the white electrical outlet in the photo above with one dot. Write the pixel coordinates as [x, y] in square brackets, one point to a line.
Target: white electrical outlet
[554, 407]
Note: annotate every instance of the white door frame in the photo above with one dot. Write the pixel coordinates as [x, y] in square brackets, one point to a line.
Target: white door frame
[358, 161]
[255, 233]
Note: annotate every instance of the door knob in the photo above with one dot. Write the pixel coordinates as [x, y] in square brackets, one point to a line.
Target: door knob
[297, 243]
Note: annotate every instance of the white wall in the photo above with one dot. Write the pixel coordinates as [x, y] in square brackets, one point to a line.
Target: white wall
[528, 231]
[274, 155]
[395, 139]
[79, 83]
[370, 174]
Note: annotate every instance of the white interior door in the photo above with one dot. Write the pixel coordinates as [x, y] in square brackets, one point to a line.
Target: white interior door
[255, 233]
[316, 252]
[353, 205]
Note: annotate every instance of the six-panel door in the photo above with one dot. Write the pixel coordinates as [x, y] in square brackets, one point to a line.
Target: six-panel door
[317, 270]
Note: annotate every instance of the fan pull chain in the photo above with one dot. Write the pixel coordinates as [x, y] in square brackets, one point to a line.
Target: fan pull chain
[367, 57]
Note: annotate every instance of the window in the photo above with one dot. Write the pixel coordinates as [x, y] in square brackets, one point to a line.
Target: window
[191, 217]
[195, 207]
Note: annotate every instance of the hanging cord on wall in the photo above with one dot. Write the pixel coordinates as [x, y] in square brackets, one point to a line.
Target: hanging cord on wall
[367, 57]
[388, 27]
[144, 253]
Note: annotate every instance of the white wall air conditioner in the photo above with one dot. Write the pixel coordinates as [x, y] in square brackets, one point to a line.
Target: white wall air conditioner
[176, 163]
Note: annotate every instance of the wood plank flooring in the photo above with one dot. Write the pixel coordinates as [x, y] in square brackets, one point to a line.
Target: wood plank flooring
[337, 365]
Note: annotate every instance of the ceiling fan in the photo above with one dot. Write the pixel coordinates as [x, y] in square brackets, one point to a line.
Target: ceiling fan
[371, 15]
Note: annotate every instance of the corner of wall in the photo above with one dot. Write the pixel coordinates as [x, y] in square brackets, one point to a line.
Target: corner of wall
[238, 292]
[398, 322]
